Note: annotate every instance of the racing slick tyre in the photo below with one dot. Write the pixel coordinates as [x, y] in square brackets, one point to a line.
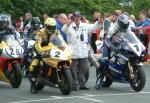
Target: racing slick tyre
[15, 76]
[107, 82]
[139, 80]
[65, 83]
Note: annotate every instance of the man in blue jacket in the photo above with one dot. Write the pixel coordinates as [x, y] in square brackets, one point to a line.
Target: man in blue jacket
[62, 19]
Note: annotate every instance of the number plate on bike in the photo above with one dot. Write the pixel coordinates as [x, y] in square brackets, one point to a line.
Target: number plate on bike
[55, 53]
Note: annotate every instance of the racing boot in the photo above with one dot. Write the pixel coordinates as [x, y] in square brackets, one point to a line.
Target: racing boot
[100, 76]
[32, 78]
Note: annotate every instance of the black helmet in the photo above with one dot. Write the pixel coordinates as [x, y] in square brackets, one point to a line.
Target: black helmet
[123, 22]
[36, 23]
[4, 21]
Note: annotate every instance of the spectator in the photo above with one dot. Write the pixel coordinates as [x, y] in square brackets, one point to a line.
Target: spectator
[142, 15]
[62, 19]
[77, 33]
[131, 24]
[132, 17]
[106, 15]
[107, 23]
[126, 13]
[26, 36]
[119, 12]
[142, 23]
[84, 20]
[45, 16]
[143, 19]
[70, 16]
[20, 26]
[148, 13]
[55, 16]
[96, 17]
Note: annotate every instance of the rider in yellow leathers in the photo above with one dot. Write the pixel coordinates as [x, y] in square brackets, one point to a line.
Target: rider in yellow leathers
[43, 45]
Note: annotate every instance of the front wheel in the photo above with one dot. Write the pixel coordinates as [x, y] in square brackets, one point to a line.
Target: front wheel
[15, 76]
[138, 82]
[39, 86]
[65, 82]
[107, 82]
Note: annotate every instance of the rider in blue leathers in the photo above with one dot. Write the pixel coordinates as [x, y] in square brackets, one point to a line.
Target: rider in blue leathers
[120, 27]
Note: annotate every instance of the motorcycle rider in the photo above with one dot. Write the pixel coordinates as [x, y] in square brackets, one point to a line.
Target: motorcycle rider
[112, 40]
[6, 27]
[33, 24]
[43, 44]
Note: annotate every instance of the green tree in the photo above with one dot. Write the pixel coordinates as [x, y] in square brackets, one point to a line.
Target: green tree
[86, 7]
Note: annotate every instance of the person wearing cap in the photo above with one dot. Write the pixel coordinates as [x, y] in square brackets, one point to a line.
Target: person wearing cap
[77, 38]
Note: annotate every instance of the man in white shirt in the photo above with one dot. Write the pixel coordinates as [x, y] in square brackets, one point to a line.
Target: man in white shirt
[77, 34]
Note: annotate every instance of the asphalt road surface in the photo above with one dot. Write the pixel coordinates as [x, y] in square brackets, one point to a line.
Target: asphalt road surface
[117, 93]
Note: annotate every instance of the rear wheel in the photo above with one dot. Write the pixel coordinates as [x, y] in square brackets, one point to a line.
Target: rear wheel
[138, 82]
[106, 81]
[65, 82]
[15, 76]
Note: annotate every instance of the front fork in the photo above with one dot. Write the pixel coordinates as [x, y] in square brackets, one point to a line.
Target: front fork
[131, 69]
[131, 74]
[58, 76]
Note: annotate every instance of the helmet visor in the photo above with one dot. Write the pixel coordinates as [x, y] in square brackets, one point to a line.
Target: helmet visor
[2, 25]
[51, 28]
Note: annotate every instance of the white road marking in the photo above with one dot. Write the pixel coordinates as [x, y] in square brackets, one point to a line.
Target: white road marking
[37, 100]
[88, 94]
[83, 97]
[1, 82]
[95, 100]
[58, 97]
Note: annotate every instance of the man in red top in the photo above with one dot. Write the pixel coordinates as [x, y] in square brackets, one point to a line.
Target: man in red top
[20, 25]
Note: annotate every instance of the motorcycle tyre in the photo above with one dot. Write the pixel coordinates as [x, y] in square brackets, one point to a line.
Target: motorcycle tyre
[108, 82]
[18, 75]
[66, 75]
[142, 79]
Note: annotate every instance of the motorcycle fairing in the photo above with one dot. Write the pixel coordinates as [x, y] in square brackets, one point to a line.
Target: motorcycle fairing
[118, 70]
[137, 48]
[10, 48]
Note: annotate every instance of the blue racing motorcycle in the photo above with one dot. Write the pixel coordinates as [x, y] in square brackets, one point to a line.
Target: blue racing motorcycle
[124, 65]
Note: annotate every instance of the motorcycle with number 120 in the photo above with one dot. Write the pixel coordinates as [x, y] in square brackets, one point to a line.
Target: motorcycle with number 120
[11, 53]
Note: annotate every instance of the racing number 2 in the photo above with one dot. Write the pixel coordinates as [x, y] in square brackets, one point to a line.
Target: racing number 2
[57, 54]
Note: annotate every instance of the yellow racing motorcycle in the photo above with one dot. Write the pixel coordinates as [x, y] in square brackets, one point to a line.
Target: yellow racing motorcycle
[55, 69]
